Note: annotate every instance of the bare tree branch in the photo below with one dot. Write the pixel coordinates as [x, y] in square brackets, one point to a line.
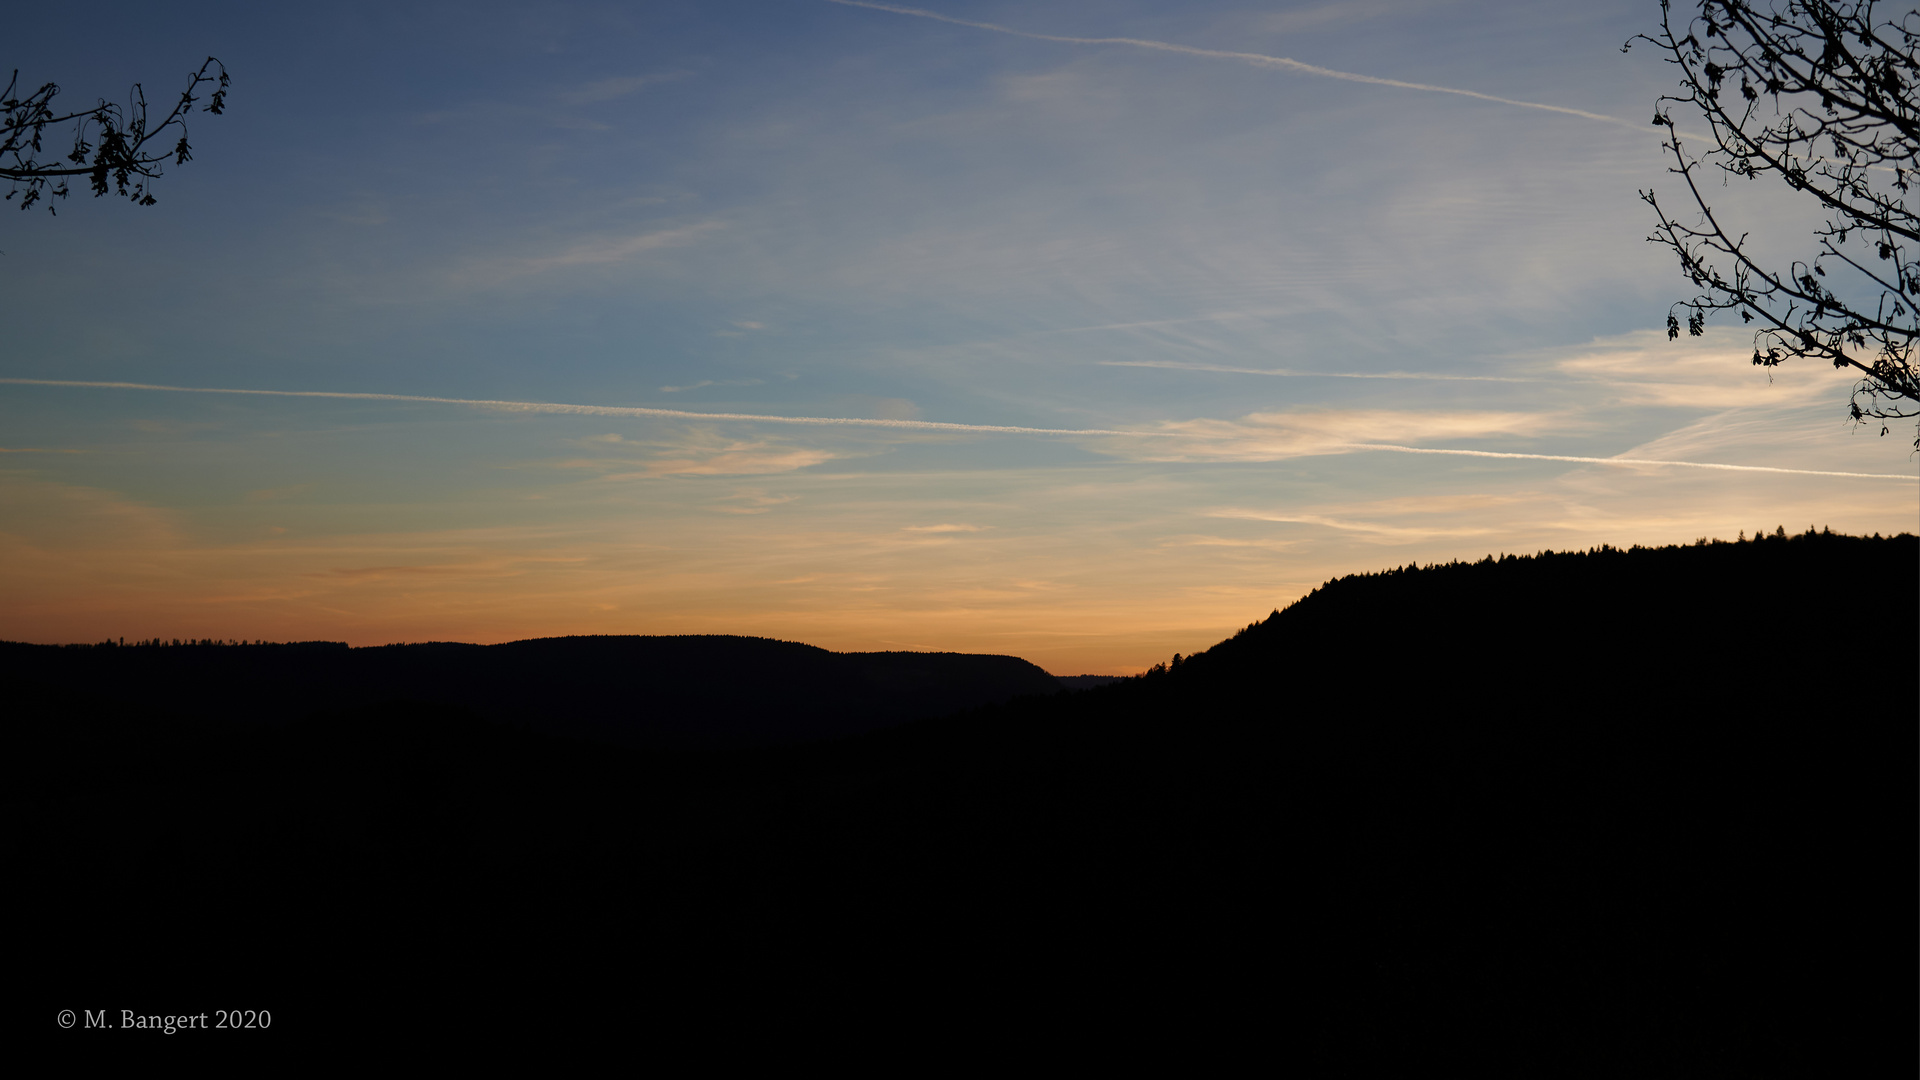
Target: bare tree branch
[1841, 85]
[118, 149]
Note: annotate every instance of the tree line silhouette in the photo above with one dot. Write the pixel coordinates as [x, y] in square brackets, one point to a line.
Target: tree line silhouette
[1574, 813]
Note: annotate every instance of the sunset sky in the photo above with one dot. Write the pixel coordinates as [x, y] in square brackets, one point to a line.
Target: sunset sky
[1124, 310]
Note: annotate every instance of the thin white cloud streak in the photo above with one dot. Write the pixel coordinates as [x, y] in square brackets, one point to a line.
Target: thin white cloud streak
[609, 89]
[1175, 365]
[711, 382]
[602, 251]
[1154, 323]
[607, 410]
[557, 408]
[1622, 461]
[1257, 59]
[1345, 526]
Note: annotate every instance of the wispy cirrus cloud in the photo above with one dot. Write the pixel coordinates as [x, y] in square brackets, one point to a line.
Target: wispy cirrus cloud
[270, 494]
[1370, 528]
[496, 269]
[1628, 462]
[1255, 437]
[381, 572]
[1302, 433]
[631, 411]
[1439, 376]
[599, 250]
[618, 87]
[1713, 371]
[753, 501]
[696, 452]
[1346, 11]
[734, 459]
[704, 383]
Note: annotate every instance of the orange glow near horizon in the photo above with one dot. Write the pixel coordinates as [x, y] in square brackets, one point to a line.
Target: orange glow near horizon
[1101, 568]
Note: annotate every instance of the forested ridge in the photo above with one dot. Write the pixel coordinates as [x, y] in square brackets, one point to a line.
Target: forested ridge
[701, 690]
[1654, 804]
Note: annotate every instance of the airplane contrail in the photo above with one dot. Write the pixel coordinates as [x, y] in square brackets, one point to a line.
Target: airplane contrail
[608, 410]
[1175, 365]
[563, 409]
[1263, 60]
[1259, 59]
[1621, 461]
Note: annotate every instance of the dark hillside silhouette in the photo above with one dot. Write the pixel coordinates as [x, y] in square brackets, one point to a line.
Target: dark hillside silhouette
[1615, 812]
[699, 690]
[1085, 682]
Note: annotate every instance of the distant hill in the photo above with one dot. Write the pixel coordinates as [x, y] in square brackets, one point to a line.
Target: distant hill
[1607, 813]
[1817, 622]
[1086, 682]
[697, 690]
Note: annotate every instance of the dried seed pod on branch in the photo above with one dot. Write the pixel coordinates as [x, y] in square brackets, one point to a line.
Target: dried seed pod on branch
[119, 150]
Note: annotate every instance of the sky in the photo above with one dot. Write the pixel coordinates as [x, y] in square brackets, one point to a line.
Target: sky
[1082, 332]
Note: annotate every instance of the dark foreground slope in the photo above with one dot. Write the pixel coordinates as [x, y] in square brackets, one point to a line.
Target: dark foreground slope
[1607, 813]
[707, 690]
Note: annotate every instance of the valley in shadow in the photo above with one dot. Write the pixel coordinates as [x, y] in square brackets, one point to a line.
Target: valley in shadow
[1605, 812]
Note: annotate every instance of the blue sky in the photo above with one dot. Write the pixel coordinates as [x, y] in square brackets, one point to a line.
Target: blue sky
[815, 209]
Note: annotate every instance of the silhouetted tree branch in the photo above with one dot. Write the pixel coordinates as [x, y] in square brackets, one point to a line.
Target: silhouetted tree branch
[1822, 95]
[118, 150]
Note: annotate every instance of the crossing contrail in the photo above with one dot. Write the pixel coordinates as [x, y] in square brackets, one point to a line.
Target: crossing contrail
[609, 410]
[1176, 365]
[1621, 461]
[563, 409]
[1258, 59]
